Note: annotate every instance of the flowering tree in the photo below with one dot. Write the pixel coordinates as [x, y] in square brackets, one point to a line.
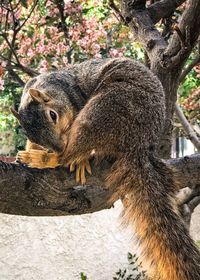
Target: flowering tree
[37, 36]
[41, 35]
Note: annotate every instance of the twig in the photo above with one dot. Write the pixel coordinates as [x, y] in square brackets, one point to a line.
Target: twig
[109, 38]
[60, 6]
[112, 4]
[14, 65]
[6, 23]
[31, 11]
[15, 76]
[187, 127]
[10, 45]
[181, 37]
[187, 70]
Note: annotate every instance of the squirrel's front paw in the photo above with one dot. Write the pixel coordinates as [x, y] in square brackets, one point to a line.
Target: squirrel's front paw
[81, 168]
[38, 159]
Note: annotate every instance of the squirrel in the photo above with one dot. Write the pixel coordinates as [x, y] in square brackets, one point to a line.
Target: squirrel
[114, 107]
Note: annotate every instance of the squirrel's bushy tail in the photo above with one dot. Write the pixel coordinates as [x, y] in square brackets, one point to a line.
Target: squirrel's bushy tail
[166, 249]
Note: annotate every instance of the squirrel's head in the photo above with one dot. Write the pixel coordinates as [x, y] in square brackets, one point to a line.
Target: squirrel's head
[48, 106]
[45, 114]
[45, 119]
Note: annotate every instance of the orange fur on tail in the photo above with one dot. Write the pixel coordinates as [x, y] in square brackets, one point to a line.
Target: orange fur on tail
[166, 250]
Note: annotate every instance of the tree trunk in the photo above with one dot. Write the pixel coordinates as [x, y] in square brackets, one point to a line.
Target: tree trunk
[170, 82]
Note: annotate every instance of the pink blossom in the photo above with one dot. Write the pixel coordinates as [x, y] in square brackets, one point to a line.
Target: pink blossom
[4, 63]
[113, 52]
[65, 60]
[98, 55]
[1, 84]
[43, 66]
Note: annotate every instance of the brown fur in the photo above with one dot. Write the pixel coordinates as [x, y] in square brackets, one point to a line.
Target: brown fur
[118, 110]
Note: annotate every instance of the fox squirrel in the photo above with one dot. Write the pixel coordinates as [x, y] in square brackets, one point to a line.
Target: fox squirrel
[114, 107]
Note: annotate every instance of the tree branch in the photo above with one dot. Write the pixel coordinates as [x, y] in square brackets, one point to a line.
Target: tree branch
[194, 203]
[117, 12]
[28, 16]
[143, 28]
[11, 44]
[15, 76]
[51, 192]
[187, 127]
[162, 9]
[14, 65]
[61, 5]
[189, 26]
[187, 70]
[187, 207]
[28, 191]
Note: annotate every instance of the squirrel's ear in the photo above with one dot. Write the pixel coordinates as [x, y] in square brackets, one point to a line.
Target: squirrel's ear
[39, 96]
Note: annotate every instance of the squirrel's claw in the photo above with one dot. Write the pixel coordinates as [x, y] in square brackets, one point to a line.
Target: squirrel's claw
[81, 168]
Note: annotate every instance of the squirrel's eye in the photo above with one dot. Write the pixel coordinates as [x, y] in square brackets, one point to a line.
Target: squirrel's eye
[53, 116]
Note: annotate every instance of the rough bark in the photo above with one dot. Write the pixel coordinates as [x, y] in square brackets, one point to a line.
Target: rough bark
[162, 9]
[34, 192]
[166, 58]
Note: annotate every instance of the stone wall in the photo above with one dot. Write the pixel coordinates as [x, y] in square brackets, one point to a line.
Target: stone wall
[59, 248]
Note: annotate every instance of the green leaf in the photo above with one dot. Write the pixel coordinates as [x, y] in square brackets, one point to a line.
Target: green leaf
[24, 3]
[83, 276]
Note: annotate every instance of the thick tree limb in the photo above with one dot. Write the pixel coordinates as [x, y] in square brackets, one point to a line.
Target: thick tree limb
[189, 26]
[141, 20]
[163, 8]
[194, 203]
[26, 191]
[186, 170]
[189, 199]
[187, 127]
[143, 28]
